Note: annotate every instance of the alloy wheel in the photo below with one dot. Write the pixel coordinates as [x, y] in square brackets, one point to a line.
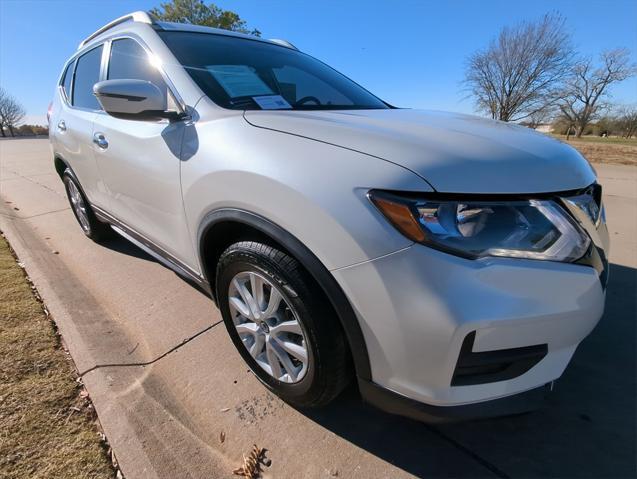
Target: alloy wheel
[268, 326]
[79, 206]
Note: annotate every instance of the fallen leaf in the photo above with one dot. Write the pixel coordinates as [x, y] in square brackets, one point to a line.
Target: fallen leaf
[251, 468]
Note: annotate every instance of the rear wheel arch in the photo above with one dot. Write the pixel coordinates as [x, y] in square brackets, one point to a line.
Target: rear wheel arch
[221, 228]
[60, 165]
[82, 210]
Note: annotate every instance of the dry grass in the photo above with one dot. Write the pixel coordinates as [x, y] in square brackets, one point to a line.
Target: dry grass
[47, 429]
[616, 151]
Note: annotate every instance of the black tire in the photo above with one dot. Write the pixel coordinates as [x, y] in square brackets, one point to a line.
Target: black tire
[329, 365]
[92, 227]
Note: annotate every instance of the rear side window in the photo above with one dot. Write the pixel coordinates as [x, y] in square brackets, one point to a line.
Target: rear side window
[68, 78]
[130, 61]
[87, 74]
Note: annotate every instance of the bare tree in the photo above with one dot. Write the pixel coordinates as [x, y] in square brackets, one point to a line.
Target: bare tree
[539, 117]
[3, 99]
[586, 89]
[517, 75]
[11, 113]
[626, 121]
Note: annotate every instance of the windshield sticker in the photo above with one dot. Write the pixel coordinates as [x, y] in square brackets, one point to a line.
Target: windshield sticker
[239, 80]
[272, 102]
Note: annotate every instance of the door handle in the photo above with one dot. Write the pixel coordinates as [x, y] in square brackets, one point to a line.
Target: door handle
[100, 140]
[62, 125]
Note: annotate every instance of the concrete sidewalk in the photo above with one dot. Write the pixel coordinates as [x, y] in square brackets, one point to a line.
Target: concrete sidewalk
[166, 380]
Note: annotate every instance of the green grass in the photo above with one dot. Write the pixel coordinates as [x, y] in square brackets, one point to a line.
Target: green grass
[47, 429]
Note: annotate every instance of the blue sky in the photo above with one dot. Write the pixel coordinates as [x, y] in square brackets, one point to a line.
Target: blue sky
[410, 53]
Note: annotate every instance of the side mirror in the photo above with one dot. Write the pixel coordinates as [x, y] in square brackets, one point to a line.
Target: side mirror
[132, 100]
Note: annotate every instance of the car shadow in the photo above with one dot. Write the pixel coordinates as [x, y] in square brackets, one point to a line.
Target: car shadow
[123, 246]
[586, 428]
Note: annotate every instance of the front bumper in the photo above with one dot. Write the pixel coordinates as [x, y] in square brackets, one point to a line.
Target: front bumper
[395, 403]
[417, 306]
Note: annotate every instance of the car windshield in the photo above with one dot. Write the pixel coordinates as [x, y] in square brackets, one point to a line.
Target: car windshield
[245, 74]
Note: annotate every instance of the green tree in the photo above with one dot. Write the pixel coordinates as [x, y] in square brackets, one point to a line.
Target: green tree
[198, 13]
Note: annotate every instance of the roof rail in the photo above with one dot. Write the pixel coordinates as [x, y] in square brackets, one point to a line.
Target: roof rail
[284, 43]
[141, 17]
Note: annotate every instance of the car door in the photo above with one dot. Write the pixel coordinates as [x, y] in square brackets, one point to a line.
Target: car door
[72, 125]
[139, 162]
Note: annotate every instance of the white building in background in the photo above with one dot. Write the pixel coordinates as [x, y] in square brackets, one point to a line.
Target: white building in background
[544, 128]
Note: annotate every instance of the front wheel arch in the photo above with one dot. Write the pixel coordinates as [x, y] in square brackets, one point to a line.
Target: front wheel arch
[228, 224]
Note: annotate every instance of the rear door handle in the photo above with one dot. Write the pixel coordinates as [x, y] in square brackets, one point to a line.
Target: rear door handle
[62, 125]
[100, 140]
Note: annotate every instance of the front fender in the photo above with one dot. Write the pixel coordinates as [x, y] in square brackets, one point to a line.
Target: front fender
[315, 191]
[310, 262]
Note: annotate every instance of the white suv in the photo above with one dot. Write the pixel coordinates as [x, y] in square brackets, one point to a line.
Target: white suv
[451, 264]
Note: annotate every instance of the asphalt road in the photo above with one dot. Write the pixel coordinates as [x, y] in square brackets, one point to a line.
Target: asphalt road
[166, 381]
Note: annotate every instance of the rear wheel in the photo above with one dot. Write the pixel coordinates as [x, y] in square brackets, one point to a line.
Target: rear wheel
[282, 324]
[91, 226]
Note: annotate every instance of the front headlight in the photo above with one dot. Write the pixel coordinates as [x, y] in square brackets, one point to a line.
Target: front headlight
[532, 229]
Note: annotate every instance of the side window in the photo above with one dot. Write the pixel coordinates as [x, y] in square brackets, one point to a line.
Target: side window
[130, 61]
[66, 81]
[87, 74]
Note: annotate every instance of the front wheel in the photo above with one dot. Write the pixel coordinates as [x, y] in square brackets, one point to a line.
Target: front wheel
[282, 324]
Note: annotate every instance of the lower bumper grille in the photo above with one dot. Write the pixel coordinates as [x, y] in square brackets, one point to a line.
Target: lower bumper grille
[492, 366]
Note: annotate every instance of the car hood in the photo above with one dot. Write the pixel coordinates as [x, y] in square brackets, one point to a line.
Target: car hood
[454, 153]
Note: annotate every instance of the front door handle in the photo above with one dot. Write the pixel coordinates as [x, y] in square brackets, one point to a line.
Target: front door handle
[62, 125]
[100, 140]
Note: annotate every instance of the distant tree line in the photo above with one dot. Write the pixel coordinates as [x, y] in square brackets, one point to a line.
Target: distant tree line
[531, 73]
[32, 130]
[621, 122]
